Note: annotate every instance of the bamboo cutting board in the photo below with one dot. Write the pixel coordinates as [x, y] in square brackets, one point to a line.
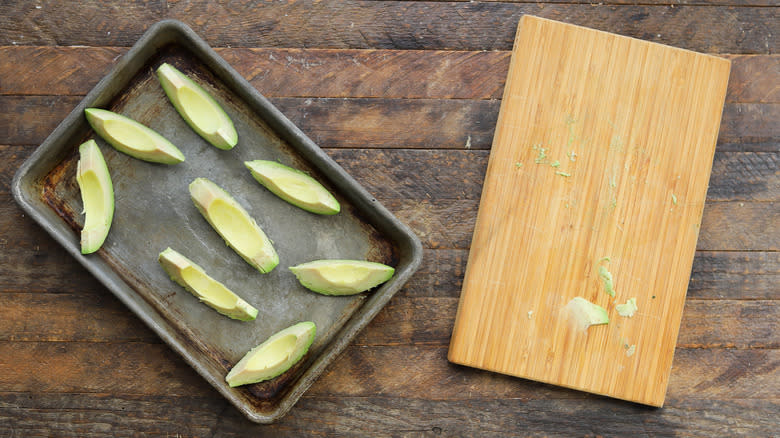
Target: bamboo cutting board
[601, 159]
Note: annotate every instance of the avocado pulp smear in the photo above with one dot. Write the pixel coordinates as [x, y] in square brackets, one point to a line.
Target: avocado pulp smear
[583, 313]
[97, 195]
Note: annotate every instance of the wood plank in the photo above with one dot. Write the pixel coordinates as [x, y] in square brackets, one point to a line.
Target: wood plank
[89, 415]
[449, 224]
[458, 174]
[735, 275]
[388, 123]
[99, 317]
[718, 230]
[745, 176]
[726, 226]
[705, 324]
[92, 316]
[454, 174]
[99, 415]
[519, 417]
[361, 371]
[384, 25]
[44, 267]
[338, 73]
[401, 371]
[751, 275]
[120, 368]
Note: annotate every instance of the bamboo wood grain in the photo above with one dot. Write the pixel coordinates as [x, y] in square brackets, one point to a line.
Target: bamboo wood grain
[603, 148]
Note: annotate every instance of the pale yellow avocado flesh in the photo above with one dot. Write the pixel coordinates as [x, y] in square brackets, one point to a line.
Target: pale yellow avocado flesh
[198, 108]
[234, 224]
[274, 356]
[128, 134]
[294, 186]
[341, 277]
[132, 138]
[97, 195]
[211, 292]
[583, 314]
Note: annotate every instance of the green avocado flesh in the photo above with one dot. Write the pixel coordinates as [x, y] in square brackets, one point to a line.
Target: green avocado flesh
[341, 277]
[274, 356]
[584, 314]
[294, 186]
[198, 108]
[97, 195]
[234, 224]
[132, 138]
[209, 291]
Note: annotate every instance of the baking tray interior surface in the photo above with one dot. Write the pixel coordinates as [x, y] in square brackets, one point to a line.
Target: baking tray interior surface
[154, 211]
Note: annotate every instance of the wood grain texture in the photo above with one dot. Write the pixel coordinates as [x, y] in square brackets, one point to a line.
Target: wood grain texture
[389, 123]
[284, 72]
[382, 24]
[361, 371]
[92, 415]
[405, 321]
[545, 221]
[724, 378]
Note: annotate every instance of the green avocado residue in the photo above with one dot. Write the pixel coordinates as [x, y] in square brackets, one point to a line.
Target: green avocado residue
[631, 350]
[627, 310]
[555, 163]
[606, 277]
[541, 158]
[518, 164]
[674, 199]
[563, 174]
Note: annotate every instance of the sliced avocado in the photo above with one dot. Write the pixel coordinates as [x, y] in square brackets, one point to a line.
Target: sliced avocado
[584, 314]
[274, 356]
[341, 277]
[211, 292]
[132, 138]
[294, 186]
[97, 195]
[198, 108]
[234, 224]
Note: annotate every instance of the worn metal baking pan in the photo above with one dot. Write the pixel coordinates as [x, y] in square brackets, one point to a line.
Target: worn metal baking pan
[154, 211]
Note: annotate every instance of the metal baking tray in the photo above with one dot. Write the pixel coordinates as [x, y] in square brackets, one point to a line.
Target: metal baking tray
[154, 211]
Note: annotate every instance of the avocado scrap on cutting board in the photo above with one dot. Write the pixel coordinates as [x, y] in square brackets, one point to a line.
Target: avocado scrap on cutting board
[595, 189]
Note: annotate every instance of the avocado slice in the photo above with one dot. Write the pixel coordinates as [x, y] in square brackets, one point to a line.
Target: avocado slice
[274, 356]
[132, 138]
[234, 224]
[198, 108]
[97, 195]
[584, 314]
[294, 186]
[209, 291]
[341, 277]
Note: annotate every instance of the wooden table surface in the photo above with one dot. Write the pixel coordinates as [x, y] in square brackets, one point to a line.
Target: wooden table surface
[404, 95]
